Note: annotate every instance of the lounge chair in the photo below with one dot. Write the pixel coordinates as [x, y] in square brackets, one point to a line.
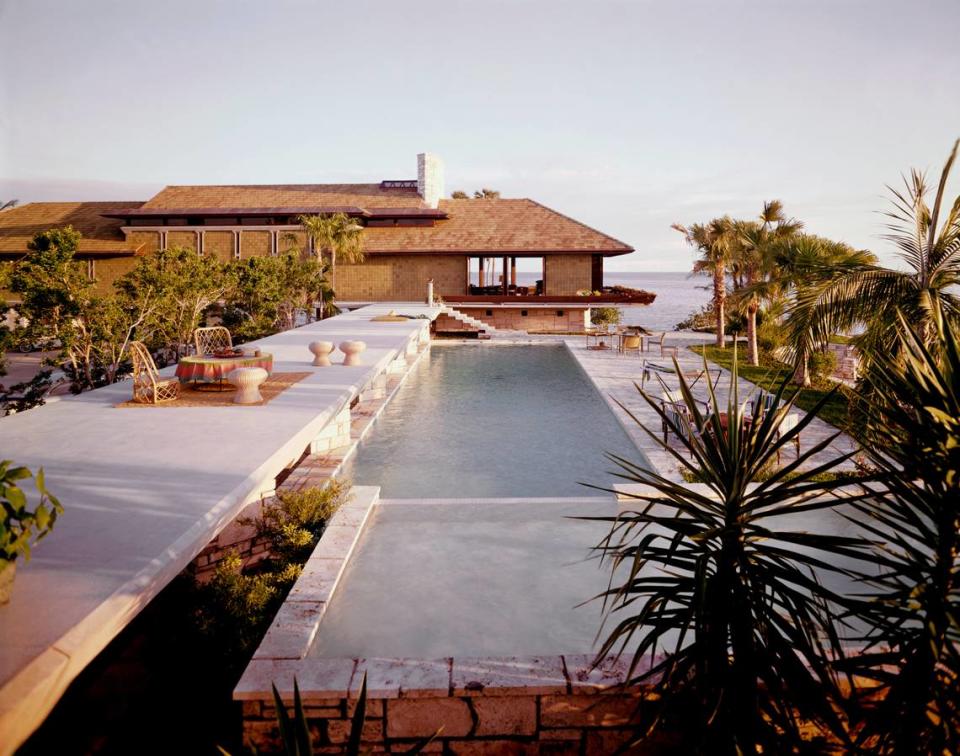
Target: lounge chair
[212, 340]
[148, 386]
[649, 368]
[677, 417]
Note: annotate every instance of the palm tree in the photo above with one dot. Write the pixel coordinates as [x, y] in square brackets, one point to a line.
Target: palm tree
[337, 235]
[797, 262]
[713, 240]
[867, 294]
[712, 593]
[753, 256]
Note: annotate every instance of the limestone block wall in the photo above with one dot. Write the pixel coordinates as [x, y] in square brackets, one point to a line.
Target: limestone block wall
[218, 244]
[149, 239]
[255, 244]
[110, 269]
[186, 239]
[567, 274]
[401, 278]
[474, 722]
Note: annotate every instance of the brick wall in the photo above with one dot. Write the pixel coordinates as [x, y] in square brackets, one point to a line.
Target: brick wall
[110, 269]
[401, 278]
[218, 244]
[149, 239]
[568, 274]
[186, 239]
[254, 244]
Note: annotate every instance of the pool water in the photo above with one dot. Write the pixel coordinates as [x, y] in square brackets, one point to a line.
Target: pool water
[470, 578]
[478, 420]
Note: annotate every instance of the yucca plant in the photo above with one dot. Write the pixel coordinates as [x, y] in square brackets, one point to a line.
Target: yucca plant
[913, 645]
[720, 595]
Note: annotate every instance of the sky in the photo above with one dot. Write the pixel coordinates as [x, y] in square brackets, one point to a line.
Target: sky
[628, 116]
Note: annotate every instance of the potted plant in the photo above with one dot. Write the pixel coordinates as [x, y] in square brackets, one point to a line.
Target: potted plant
[21, 526]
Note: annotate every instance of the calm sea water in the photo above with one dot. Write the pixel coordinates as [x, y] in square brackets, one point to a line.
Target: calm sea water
[678, 295]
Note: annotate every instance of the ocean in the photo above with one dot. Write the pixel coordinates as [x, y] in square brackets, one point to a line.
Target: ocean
[678, 295]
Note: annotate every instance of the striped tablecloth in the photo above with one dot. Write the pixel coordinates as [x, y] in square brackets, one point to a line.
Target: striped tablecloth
[198, 368]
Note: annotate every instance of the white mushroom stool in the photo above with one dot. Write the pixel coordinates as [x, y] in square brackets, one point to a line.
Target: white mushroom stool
[247, 380]
[352, 351]
[321, 353]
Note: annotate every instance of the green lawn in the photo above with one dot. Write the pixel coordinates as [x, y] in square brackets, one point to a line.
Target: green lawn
[770, 374]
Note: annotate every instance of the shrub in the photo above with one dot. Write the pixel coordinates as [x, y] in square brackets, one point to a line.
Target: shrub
[235, 608]
[605, 315]
[822, 365]
[294, 521]
[770, 335]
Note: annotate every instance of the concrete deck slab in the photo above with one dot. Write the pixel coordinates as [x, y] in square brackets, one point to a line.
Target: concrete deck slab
[144, 491]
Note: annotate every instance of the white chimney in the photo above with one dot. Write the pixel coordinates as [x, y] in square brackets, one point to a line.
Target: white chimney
[429, 178]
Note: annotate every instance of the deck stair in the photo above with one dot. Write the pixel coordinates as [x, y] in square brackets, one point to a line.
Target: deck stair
[467, 319]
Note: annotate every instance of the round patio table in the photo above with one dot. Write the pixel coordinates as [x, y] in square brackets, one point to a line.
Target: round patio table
[208, 368]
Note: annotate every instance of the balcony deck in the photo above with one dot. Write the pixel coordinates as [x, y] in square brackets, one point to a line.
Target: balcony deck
[144, 490]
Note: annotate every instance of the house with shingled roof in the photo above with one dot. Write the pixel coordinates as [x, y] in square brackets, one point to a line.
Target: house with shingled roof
[468, 248]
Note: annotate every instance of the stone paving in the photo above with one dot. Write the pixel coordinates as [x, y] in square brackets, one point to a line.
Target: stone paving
[614, 375]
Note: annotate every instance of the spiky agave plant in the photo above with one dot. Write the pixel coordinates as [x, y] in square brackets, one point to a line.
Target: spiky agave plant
[913, 646]
[717, 597]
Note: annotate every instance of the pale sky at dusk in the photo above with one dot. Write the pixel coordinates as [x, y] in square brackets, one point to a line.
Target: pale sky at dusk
[628, 116]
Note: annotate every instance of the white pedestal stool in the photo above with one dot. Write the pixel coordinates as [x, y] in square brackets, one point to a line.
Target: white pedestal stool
[247, 380]
[321, 353]
[352, 351]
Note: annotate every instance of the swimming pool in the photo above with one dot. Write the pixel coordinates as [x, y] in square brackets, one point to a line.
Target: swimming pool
[479, 420]
[476, 578]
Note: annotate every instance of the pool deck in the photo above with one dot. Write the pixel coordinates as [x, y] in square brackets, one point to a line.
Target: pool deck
[144, 490]
[614, 376]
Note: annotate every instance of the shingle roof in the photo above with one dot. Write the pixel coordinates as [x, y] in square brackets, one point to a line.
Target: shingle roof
[100, 235]
[519, 226]
[284, 195]
[472, 226]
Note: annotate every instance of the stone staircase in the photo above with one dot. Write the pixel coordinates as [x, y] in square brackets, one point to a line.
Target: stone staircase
[467, 319]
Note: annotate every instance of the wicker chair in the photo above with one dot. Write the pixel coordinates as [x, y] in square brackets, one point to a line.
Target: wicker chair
[212, 340]
[148, 386]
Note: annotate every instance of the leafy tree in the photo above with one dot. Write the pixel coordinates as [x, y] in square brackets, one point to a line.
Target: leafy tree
[714, 241]
[856, 292]
[913, 643]
[60, 305]
[713, 587]
[52, 285]
[336, 235]
[269, 291]
[478, 194]
[183, 284]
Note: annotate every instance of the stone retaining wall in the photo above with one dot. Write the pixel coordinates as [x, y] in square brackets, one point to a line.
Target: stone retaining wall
[554, 705]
